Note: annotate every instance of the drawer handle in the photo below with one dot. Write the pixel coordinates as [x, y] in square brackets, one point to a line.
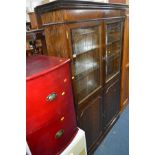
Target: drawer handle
[51, 97]
[59, 134]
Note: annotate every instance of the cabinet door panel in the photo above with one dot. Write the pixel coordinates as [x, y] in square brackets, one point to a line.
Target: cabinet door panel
[113, 48]
[91, 121]
[86, 60]
[111, 103]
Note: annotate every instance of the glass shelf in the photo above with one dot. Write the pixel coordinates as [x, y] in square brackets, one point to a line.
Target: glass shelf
[85, 73]
[86, 61]
[86, 50]
[87, 84]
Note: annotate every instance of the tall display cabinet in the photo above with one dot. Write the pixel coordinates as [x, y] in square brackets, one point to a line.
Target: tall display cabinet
[91, 35]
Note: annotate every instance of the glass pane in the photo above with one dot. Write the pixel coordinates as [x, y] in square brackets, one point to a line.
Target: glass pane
[86, 60]
[84, 40]
[113, 32]
[112, 66]
[113, 49]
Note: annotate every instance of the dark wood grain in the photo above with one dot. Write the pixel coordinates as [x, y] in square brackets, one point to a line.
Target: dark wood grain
[56, 39]
[111, 103]
[93, 127]
[63, 11]
[78, 30]
[70, 4]
[125, 67]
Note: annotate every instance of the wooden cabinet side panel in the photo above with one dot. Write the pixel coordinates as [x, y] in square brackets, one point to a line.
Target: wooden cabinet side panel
[56, 40]
[125, 66]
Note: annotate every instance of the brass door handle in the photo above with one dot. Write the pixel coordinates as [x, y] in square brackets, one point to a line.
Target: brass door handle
[59, 134]
[51, 97]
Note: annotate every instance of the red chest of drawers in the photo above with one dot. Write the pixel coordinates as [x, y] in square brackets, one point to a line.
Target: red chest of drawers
[50, 116]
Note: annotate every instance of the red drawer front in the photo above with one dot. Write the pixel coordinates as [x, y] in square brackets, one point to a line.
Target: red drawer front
[50, 140]
[39, 111]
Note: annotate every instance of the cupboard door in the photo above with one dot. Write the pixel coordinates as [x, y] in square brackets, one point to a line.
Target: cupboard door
[91, 121]
[113, 48]
[86, 61]
[111, 103]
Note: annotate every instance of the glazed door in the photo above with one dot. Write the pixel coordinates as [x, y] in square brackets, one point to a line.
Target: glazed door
[112, 61]
[113, 49]
[86, 71]
[86, 63]
[91, 121]
[111, 103]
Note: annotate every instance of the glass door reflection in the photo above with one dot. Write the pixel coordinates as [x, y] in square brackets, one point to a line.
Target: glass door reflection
[113, 49]
[86, 60]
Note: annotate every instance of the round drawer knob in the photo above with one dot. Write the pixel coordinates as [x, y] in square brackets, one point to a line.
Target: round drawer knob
[51, 97]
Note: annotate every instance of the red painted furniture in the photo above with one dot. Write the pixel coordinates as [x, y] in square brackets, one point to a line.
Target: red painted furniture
[50, 116]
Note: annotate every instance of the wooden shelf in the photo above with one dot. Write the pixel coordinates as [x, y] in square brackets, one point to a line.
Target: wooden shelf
[86, 52]
[85, 73]
[112, 42]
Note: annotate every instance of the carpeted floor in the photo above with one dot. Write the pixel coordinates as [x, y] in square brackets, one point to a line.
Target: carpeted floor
[117, 140]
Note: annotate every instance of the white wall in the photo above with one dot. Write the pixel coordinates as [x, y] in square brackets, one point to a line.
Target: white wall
[31, 4]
